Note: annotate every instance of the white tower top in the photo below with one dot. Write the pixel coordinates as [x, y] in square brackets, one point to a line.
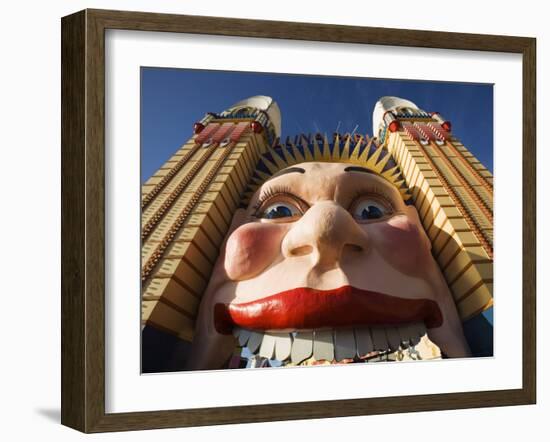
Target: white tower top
[385, 104]
[265, 103]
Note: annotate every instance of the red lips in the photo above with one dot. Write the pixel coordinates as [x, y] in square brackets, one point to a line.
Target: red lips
[305, 308]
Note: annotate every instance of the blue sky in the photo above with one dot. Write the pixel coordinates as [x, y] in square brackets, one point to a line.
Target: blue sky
[173, 99]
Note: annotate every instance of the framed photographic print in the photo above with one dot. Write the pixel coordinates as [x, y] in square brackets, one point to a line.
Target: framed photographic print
[269, 220]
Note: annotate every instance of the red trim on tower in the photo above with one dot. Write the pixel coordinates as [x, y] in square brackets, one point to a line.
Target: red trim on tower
[238, 131]
[441, 133]
[256, 127]
[411, 131]
[425, 131]
[393, 126]
[208, 131]
[224, 131]
[446, 125]
[198, 128]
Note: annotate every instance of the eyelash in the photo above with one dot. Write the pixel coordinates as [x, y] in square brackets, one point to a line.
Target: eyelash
[270, 192]
[273, 191]
[375, 192]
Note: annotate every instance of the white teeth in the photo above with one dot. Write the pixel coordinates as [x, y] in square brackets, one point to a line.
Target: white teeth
[244, 335]
[379, 338]
[268, 346]
[302, 347]
[323, 346]
[254, 341]
[364, 341]
[334, 345]
[283, 345]
[344, 344]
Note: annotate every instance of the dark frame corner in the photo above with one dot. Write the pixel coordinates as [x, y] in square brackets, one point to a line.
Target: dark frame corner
[83, 235]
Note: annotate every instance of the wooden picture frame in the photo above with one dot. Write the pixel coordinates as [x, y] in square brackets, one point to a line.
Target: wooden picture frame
[83, 220]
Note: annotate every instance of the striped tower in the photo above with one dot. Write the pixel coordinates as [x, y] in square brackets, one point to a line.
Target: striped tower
[453, 193]
[187, 206]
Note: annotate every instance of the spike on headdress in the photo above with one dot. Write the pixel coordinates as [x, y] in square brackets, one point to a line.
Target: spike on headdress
[361, 152]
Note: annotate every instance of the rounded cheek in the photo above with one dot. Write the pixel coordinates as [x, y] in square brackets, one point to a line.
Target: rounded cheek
[251, 248]
[402, 244]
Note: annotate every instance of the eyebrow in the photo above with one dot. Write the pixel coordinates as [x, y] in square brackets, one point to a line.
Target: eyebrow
[358, 169]
[289, 170]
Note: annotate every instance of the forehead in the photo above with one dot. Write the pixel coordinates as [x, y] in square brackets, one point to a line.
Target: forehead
[317, 175]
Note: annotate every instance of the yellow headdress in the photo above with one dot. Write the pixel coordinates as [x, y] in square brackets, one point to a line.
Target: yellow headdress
[358, 150]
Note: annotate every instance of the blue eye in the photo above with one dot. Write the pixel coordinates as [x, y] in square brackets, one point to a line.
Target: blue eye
[280, 210]
[368, 209]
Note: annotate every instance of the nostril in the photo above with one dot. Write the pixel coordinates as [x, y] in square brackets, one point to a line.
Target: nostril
[354, 247]
[302, 250]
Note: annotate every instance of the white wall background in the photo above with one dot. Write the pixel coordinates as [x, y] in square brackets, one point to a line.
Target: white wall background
[30, 216]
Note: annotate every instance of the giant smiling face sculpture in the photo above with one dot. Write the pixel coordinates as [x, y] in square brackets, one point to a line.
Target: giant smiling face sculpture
[330, 248]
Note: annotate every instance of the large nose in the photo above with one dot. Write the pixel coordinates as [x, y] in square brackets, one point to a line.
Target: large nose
[324, 233]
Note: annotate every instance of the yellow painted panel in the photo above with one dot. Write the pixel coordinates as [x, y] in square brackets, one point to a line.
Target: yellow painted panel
[485, 195]
[420, 159]
[486, 173]
[215, 214]
[424, 167]
[447, 151]
[434, 182]
[485, 269]
[201, 220]
[170, 290]
[465, 171]
[146, 188]
[225, 192]
[478, 253]
[185, 272]
[453, 212]
[426, 206]
[196, 235]
[468, 238]
[475, 302]
[147, 250]
[445, 232]
[439, 191]
[448, 251]
[440, 219]
[169, 215]
[458, 263]
[192, 253]
[446, 201]
[460, 224]
[200, 177]
[473, 208]
[225, 180]
[446, 172]
[216, 198]
[465, 282]
[488, 234]
[429, 174]
[428, 219]
[407, 165]
[167, 317]
[431, 151]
